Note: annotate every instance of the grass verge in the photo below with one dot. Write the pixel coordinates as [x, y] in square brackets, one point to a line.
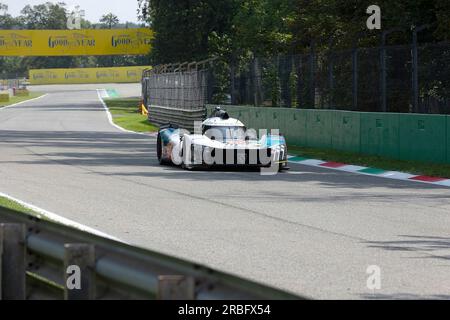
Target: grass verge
[125, 114]
[9, 204]
[14, 100]
[413, 167]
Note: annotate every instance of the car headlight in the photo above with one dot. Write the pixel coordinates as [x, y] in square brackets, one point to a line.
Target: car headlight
[282, 150]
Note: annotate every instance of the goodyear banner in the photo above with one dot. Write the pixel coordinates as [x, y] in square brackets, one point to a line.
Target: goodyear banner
[75, 42]
[87, 75]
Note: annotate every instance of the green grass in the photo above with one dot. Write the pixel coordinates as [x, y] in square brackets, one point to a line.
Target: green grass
[125, 114]
[9, 204]
[413, 167]
[14, 100]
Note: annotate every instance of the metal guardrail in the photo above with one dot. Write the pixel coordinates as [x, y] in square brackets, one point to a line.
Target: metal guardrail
[35, 255]
[183, 118]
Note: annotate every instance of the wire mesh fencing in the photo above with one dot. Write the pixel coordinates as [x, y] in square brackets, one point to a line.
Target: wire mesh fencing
[401, 78]
[180, 90]
[177, 93]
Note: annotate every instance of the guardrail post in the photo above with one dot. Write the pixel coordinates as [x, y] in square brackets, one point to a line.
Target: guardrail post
[12, 261]
[176, 288]
[79, 272]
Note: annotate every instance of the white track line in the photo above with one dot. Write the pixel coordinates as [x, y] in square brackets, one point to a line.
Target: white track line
[41, 213]
[103, 94]
[50, 215]
[25, 101]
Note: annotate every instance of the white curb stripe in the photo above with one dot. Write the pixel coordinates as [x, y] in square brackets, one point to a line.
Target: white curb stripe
[41, 213]
[101, 94]
[351, 168]
[395, 175]
[398, 175]
[22, 102]
[445, 183]
[310, 162]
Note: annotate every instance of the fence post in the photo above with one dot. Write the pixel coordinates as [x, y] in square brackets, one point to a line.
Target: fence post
[285, 70]
[176, 288]
[383, 72]
[79, 272]
[256, 80]
[312, 75]
[415, 67]
[210, 85]
[13, 260]
[355, 78]
[383, 67]
[233, 94]
[415, 84]
[330, 72]
[298, 69]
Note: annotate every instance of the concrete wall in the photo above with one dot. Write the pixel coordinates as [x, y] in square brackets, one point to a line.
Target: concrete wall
[417, 137]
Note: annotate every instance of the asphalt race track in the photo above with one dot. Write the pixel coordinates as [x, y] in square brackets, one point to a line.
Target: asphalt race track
[312, 231]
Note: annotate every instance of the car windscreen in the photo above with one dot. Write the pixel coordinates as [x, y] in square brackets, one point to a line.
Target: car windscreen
[224, 133]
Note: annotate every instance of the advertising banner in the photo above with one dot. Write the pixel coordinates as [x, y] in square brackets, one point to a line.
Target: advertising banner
[75, 42]
[87, 75]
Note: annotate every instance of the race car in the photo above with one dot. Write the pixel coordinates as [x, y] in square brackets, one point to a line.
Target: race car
[221, 141]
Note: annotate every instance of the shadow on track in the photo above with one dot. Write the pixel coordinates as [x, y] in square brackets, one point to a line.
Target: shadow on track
[136, 154]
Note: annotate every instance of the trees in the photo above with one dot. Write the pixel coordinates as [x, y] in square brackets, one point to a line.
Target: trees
[109, 20]
[183, 27]
[6, 20]
[44, 16]
[194, 29]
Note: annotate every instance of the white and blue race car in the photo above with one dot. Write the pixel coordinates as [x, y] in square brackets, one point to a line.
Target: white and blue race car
[221, 141]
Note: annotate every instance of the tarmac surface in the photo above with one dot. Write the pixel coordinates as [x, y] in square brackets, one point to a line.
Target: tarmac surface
[311, 231]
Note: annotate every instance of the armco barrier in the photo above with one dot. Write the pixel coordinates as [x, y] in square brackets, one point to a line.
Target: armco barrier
[418, 137]
[183, 118]
[35, 255]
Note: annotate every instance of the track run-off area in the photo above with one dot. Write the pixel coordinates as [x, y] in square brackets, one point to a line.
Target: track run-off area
[311, 231]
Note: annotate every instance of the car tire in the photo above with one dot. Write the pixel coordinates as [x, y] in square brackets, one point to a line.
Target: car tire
[159, 148]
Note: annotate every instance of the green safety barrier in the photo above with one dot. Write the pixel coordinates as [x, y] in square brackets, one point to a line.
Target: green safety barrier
[419, 137]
